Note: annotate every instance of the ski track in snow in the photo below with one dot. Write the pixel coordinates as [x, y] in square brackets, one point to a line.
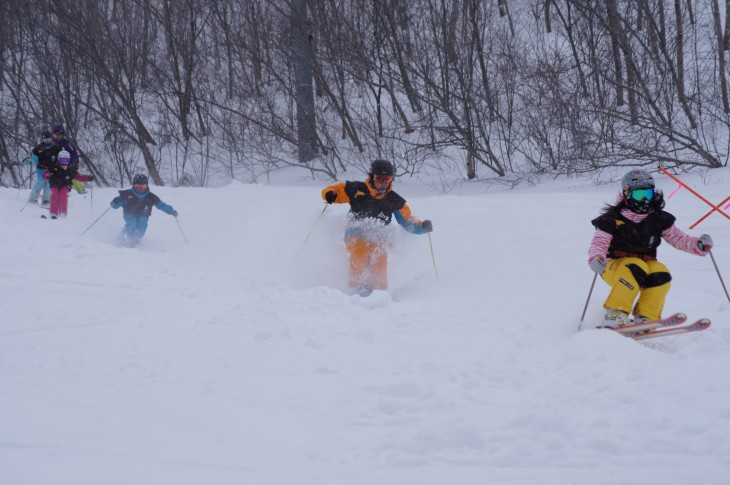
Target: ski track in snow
[241, 356]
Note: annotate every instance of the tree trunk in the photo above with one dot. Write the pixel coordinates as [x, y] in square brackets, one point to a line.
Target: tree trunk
[720, 56]
[304, 92]
[616, 50]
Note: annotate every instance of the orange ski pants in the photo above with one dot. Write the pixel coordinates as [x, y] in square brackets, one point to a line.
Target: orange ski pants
[368, 264]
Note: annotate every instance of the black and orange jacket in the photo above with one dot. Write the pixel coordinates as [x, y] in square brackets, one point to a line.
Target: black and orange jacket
[367, 205]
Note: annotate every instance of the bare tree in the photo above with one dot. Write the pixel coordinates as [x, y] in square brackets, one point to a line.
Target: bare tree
[196, 90]
[720, 55]
[109, 43]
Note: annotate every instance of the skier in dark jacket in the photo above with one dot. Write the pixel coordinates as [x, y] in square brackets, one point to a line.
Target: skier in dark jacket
[137, 203]
[624, 250]
[373, 204]
[62, 143]
[43, 156]
[60, 176]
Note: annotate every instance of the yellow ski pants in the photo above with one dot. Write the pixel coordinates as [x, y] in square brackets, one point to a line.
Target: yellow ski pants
[632, 277]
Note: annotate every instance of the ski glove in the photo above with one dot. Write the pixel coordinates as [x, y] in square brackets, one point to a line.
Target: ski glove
[116, 202]
[598, 264]
[79, 186]
[427, 226]
[330, 196]
[173, 213]
[705, 242]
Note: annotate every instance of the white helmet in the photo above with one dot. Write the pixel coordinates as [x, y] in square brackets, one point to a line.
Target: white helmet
[64, 157]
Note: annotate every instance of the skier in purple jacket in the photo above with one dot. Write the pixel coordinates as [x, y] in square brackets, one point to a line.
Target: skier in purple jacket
[62, 143]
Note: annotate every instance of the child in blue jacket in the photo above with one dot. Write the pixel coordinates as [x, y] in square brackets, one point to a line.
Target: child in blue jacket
[137, 202]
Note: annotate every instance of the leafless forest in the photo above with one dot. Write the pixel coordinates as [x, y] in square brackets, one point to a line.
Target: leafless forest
[192, 91]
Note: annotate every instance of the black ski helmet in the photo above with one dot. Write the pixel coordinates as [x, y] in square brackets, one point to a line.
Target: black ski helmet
[635, 180]
[45, 134]
[381, 167]
[140, 179]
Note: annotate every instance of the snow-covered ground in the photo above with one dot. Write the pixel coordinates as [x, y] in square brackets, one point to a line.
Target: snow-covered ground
[240, 357]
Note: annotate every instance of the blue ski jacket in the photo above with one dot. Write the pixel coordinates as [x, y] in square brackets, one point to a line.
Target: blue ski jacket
[139, 203]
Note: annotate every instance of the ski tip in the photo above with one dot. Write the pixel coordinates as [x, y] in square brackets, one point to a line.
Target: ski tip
[696, 326]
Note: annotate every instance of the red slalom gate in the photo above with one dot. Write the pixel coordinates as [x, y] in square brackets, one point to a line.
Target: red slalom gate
[714, 207]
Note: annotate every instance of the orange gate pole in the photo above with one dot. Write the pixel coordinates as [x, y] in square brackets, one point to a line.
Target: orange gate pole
[714, 207]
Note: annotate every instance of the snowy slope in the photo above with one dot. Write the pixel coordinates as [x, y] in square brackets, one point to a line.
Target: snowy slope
[240, 358]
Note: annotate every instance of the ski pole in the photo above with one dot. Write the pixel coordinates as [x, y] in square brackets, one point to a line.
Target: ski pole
[718, 273]
[588, 299]
[433, 258]
[30, 177]
[181, 231]
[26, 205]
[97, 220]
[313, 226]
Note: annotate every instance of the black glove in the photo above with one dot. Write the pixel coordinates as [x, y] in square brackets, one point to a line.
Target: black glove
[330, 196]
[91, 177]
[173, 213]
[427, 226]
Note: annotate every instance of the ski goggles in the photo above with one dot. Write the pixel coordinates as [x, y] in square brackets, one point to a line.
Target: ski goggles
[64, 161]
[383, 179]
[642, 194]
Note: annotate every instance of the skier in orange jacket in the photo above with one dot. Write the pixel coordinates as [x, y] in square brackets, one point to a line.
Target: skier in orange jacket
[373, 204]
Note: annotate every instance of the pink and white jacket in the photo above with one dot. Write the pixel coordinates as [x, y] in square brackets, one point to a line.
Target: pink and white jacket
[674, 236]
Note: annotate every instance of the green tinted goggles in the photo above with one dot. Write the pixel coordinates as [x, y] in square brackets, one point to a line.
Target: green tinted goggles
[642, 194]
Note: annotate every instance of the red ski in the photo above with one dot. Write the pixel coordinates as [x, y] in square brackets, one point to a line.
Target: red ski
[676, 319]
[698, 326]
